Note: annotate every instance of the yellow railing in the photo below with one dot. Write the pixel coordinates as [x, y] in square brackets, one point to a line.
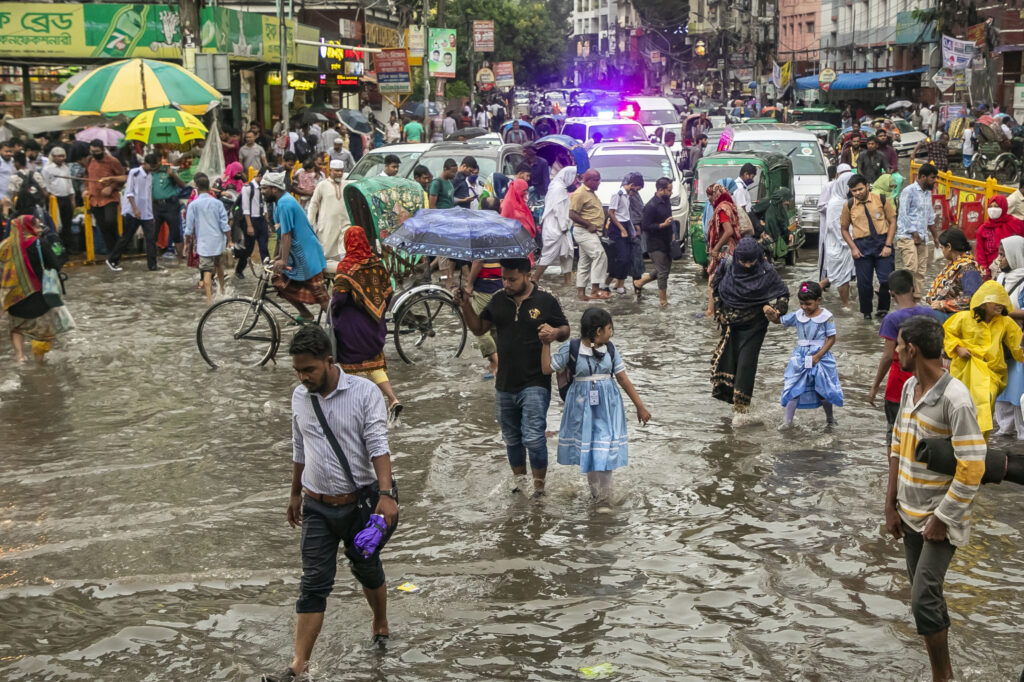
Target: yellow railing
[965, 189]
[90, 246]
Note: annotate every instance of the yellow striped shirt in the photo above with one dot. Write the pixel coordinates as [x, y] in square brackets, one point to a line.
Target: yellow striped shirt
[945, 411]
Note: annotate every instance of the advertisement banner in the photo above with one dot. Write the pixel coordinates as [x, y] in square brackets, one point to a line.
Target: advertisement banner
[441, 58]
[776, 75]
[942, 79]
[392, 66]
[1018, 100]
[786, 75]
[90, 30]
[957, 54]
[976, 34]
[483, 36]
[503, 75]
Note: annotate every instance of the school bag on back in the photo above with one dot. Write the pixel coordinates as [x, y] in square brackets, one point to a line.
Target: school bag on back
[567, 374]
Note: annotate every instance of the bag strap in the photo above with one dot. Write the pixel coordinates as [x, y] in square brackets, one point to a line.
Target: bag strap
[574, 355]
[335, 445]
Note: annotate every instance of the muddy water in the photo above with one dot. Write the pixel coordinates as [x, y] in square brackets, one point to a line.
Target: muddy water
[142, 533]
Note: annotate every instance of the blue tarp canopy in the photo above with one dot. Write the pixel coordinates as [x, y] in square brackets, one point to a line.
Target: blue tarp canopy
[853, 81]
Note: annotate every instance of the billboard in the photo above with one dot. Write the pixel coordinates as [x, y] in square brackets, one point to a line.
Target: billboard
[392, 67]
[441, 57]
[483, 36]
[504, 77]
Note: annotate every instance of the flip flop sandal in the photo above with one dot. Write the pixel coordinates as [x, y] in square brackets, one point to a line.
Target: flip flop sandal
[394, 414]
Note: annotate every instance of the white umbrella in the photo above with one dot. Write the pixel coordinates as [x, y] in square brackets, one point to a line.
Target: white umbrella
[901, 104]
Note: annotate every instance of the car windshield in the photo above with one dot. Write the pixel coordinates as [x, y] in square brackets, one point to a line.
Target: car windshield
[435, 162]
[804, 155]
[904, 127]
[657, 117]
[614, 167]
[372, 164]
[709, 175]
[619, 132]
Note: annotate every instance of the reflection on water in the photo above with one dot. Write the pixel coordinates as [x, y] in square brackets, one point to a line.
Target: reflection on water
[143, 534]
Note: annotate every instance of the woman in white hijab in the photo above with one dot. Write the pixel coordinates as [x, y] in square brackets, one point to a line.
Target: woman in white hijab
[556, 228]
[835, 260]
[1011, 266]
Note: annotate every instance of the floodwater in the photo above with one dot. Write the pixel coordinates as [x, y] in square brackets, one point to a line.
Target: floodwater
[143, 536]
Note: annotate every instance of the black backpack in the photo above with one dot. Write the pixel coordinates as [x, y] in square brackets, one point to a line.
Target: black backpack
[302, 148]
[29, 196]
[567, 375]
[50, 241]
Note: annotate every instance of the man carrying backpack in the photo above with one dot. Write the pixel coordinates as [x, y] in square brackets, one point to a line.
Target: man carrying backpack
[868, 225]
[27, 188]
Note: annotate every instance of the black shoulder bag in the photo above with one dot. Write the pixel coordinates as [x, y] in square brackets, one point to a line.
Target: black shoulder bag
[366, 496]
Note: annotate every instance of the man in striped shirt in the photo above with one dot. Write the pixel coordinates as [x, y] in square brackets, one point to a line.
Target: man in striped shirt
[931, 511]
[327, 498]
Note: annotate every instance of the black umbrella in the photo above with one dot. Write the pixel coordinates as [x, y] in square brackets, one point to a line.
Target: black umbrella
[307, 117]
[416, 110]
[355, 121]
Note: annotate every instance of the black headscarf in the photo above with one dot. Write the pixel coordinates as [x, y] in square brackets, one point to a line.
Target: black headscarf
[745, 287]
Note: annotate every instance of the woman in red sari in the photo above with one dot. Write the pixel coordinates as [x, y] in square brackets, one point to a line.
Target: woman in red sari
[723, 232]
[362, 292]
[514, 206]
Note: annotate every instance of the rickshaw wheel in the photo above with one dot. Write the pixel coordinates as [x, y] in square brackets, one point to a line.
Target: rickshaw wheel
[429, 327]
[1006, 169]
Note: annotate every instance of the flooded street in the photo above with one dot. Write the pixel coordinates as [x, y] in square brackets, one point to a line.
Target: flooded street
[143, 534]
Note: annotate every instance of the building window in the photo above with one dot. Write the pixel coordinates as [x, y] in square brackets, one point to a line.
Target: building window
[810, 27]
[604, 22]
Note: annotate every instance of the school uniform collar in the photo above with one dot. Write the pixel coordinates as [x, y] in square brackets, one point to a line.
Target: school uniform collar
[823, 316]
[587, 350]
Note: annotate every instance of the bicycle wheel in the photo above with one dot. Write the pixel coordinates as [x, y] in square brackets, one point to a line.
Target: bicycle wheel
[1005, 171]
[429, 328]
[234, 333]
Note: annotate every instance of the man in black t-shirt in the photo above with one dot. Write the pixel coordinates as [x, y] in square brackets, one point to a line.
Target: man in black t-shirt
[464, 193]
[525, 318]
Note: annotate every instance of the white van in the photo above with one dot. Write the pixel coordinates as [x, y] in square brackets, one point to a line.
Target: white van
[800, 146]
[650, 112]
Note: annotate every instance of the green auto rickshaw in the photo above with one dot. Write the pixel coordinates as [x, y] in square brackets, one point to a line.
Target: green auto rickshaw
[773, 172]
[827, 114]
[829, 135]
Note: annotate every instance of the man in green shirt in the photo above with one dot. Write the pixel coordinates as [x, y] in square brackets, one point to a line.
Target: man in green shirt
[167, 208]
[442, 191]
[413, 131]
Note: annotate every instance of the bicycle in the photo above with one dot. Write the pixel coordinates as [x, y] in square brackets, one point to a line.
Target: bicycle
[426, 325]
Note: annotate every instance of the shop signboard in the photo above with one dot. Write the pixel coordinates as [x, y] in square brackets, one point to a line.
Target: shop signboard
[976, 34]
[1018, 101]
[483, 36]
[441, 58]
[392, 67]
[415, 39]
[504, 77]
[380, 35]
[826, 78]
[960, 82]
[485, 79]
[78, 30]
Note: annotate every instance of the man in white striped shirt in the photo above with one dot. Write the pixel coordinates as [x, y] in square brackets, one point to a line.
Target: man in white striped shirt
[930, 511]
[332, 501]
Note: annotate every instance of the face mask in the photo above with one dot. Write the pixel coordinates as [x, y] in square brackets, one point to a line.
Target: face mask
[472, 179]
[1006, 269]
[994, 212]
[97, 155]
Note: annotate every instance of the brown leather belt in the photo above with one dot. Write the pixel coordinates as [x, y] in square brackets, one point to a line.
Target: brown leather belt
[333, 500]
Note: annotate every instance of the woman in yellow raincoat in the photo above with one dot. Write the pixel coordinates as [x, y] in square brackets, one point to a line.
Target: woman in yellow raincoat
[975, 339]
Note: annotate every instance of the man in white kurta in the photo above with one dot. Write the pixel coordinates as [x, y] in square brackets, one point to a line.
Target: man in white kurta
[327, 214]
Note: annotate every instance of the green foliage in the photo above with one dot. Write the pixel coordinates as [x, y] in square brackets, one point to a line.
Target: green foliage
[532, 34]
[456, 90]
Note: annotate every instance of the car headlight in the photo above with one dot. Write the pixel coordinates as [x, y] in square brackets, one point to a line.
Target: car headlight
[811, 201]
[676, 200]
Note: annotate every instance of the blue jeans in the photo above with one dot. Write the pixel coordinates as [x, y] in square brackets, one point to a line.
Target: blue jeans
[524, 418]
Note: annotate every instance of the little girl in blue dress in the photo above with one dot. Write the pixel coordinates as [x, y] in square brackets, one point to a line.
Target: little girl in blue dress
[593, 430]
[811, 378]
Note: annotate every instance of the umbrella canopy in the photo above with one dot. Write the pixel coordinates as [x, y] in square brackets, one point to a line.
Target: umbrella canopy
[135, 85]
[986, 119]
[416, 110]
[880, 107]
[108, 136]
[307, 116]
[166, 126]
[1002, 114]
[899, 104]
[462, 234]
[355, 121]
[51, 124]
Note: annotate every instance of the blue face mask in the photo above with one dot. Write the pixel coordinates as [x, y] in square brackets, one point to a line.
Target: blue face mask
[472, 179]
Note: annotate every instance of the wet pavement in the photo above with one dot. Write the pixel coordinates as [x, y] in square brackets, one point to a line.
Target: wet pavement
[143, 537]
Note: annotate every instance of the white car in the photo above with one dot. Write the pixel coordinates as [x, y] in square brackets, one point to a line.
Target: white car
[650, 112]
[582, 129]
[372, 163]
[909, 138]
[613, 160]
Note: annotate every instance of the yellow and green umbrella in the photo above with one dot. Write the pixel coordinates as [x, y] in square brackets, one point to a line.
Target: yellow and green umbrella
[135, 85]
[165, 126]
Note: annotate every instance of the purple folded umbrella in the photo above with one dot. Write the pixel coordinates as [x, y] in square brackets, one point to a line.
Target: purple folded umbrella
[368, 539]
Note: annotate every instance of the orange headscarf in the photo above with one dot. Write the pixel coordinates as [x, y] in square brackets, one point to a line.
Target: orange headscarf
[362, 275]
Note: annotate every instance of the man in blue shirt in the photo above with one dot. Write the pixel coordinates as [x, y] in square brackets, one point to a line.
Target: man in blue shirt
[208, 232]
[299, 263]
[915, 220]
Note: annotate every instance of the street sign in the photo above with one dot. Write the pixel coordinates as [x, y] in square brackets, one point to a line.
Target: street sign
[503, 75]
[392, 66]
[942, 79]
[826, 78]
[483, 36]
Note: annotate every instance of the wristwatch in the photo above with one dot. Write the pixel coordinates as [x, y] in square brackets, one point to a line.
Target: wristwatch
[388, 493]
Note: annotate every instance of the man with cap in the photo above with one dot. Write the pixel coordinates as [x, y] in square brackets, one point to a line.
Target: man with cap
[339, 153]
[327, 213]
[57, 175]
[299, 263]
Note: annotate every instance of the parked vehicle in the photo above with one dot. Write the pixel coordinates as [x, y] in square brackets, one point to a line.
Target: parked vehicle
[828, 135]
[825, 114]
[909, 138]
[773, 171]
[492, 158]
[800, 146]
[650, 112]
[372, 163]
